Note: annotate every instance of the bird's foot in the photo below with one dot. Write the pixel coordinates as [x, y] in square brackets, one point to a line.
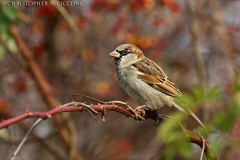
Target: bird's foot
[136, 115]
[142, 110]
[156, 116]
[163, 116]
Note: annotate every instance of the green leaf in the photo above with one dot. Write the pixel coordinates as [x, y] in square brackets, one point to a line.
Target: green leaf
[213, 93]
[168, 130]
[170, 153]
[198, 94]
[217, 145]
[4, 36]
[186, 149]
[224, 121]
[2, 53]
[185, 100]
[5, 135]
[11, 44]
[4, 25]
[9, 12]
[235, 104]
[236, 85]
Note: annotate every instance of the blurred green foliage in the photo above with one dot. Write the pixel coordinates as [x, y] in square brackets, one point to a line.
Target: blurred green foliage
[225, 120]
[8, 16]
[199, 96]
[171, 133]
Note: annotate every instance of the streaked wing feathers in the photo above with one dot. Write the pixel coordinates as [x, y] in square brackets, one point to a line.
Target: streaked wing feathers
[154, 76]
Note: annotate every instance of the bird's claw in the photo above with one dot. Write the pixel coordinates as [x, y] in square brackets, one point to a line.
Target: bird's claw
[137, 117]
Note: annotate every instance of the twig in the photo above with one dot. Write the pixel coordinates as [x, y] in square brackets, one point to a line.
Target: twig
[227, 49]
[65, 133]
[71, 107]
[77, 34]
[203, 144]
[40, 119]
[195, 42]
[210, 154]
[192, 138]
[194, 30]
[80, 104]
[137, 116]
[90, 111]
[49, 147]
[203, 148]
[25, 138]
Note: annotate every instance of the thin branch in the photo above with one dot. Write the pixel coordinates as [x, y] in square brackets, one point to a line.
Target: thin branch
[25, 138]
[192, 138]
[227, 48]
[50, 147]
[66, 132]
[203, 148]
[77, 35]
[194, 30]
[203, 145]
[102, 108]
[71, 108]
[72, 152]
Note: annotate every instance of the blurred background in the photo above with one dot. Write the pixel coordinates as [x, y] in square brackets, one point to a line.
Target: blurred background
[49, 52]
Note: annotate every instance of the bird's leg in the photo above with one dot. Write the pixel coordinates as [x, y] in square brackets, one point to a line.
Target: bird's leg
[141, 109]
[137, 116]
[156, 116]
[163, 116]
[160, 116]
[153, 112]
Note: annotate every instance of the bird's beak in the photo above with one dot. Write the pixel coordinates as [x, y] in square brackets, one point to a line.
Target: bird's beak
[115, 54]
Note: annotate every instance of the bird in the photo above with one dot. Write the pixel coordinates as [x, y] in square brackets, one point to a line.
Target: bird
[144, 81]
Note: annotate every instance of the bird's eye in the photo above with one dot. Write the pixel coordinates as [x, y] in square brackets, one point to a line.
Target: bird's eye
[125, 52]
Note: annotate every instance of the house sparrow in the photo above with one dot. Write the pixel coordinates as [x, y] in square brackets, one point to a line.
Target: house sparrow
[144, 81]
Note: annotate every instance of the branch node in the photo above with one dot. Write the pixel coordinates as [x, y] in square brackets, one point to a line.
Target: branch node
[30, 114]
[104, 112]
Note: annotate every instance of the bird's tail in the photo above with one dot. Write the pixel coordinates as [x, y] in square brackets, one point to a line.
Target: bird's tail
[188, 111]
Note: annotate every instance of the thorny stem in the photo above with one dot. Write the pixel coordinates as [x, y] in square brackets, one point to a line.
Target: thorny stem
[100, 108]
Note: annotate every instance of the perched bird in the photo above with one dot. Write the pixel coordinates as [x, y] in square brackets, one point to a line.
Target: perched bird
[144, 81]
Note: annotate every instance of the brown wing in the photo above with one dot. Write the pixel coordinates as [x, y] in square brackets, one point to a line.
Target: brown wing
[154, 76]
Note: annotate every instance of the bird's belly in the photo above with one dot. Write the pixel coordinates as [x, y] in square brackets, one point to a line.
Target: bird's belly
[129, 85]
[135, 95]
[144, 94]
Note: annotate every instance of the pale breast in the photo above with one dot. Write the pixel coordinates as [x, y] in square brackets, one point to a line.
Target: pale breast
[128, 81]
[141, 92]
